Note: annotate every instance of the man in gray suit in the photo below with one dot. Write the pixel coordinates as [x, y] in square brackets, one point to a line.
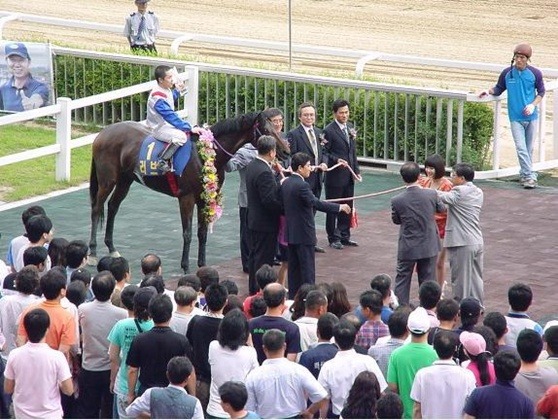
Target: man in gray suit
[463, 234]
[419, 245]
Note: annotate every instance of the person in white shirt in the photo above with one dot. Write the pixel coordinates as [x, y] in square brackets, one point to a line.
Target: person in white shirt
[315, 306]
[185, 298]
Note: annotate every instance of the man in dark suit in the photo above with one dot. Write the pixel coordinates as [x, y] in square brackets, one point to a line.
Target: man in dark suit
[264, 208]
[306, 139]
[340, 147]
[299, 204]
[419, 244]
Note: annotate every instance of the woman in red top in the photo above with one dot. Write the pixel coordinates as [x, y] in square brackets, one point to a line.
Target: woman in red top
[435, 169]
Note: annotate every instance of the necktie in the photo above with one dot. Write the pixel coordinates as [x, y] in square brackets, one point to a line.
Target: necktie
[141, 28]
[313, 143]
[346, 133]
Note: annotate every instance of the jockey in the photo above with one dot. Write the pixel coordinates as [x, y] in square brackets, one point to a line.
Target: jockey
[167, 126]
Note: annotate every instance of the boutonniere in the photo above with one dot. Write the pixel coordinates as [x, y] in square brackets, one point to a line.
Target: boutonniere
[323, 140]
[352, 133]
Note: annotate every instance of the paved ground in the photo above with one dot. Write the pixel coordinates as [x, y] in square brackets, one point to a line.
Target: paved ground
[519, 228]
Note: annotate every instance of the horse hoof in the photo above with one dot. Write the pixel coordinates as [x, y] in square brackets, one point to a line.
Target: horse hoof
[115, 254]
[92, 260]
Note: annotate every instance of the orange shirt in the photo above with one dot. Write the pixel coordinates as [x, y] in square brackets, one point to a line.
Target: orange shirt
[445, 185]
[62, 328]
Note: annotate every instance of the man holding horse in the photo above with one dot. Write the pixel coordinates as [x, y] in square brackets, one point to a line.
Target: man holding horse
[167, 126]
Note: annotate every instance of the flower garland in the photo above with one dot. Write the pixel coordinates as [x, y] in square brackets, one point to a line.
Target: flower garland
[211, 195]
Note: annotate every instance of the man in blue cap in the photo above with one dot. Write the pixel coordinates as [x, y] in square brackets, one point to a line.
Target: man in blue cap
[21, 92]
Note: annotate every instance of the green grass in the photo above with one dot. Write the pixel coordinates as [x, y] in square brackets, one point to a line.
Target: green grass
[37, 176]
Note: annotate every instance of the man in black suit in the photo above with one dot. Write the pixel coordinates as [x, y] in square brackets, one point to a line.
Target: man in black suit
[419, 244]
[340, 147]
[306, 139]
[299, 204]
[264, 208]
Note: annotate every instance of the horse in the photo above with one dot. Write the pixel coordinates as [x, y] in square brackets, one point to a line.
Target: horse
[114, 167]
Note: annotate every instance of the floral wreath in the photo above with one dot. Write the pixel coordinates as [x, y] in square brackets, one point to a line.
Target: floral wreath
[212, 197]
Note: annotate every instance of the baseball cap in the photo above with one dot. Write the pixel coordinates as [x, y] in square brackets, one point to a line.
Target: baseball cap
[16, 48]
[141, 1]
[549, 324]
[470, 307]
[418, 322]
[472, 342]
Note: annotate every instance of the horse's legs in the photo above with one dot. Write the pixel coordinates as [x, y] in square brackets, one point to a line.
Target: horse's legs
[120, 192]
[202, 235]
[96, 212]
[186, 204]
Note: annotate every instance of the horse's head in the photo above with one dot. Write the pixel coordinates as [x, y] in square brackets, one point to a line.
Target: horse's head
[264, 126]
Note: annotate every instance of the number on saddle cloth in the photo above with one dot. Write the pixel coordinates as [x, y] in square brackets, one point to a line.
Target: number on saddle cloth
[150, 151]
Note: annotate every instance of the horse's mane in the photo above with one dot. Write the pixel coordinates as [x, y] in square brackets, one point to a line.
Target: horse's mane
[240, 123]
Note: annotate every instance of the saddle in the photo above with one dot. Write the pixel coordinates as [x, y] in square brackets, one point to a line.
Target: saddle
[151, 149]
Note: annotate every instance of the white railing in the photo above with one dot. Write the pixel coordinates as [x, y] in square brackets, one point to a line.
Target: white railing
[62, 112]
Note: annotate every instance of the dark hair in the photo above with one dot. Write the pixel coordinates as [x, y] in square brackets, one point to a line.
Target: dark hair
[389, 406]
[299, 160]
[265, 275]
[52, 283]
[127, 296]
[489, 338]
[429, 294]
[141, 302]
[362, 398]
[338, 303]
[497, 322]
[234, 393]
[81, 274]
[303, 105]
[298, 306]
[465, 170]
[233, 302]
[150, 263]
[506, 365]
[76, 292]
[529, 345]
[447, 309]
[270, 113]
[103, 285]
[397, 322]
[233, 330]
[27, 279]
[381, 283]
[445, 343]
[178, 369]
[551, 338]
[154, 280]
[410, 172]
[216, 297]
[185, 295]
[35, 255]
[161, 72]
[76, 251]
[352, 318]
[104, 263]
[119, 267]
[520, 297]
[327, 290]
[191, 280]
[36, 227]
[372, 299]
[257, 307]
[326, 324]
[315, 300]
[273, 340]
[57, 252]
[30, 212]
[36, 323]
[482, 360]
[207, 275]
[437, 162]
[160, 309]
[339, 103]
[274, 295]
[230, 285]
[345, 335]
[266, 144]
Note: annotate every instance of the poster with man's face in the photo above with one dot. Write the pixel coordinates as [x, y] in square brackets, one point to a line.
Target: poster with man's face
[26, 78]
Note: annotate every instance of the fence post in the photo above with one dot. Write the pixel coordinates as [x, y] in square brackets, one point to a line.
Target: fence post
[555, 122]
[496, 131]
[64, 138]
[191, 101]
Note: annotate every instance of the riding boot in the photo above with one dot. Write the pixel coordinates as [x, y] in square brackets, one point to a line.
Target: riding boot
[165, 157]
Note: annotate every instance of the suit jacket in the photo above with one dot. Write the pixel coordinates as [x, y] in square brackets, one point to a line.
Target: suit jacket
[299, 204]
[299, 142]
[464, 206]
[264, 203]
[414, 210]
[335, 148]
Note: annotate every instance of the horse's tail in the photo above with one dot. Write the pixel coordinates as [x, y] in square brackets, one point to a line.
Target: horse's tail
[94, 189]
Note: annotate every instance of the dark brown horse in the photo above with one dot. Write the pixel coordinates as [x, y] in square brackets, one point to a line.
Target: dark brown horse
[114, 166]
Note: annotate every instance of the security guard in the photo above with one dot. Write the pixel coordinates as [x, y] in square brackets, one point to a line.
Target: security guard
[141, 28]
